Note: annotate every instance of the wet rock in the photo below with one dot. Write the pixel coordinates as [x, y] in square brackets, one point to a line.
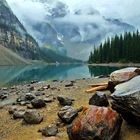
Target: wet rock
[18, 114]
[67, 114]
[32, 117]
[50, 130]
[95, 123]
[99, 99]
[64, 100]
[126, 100]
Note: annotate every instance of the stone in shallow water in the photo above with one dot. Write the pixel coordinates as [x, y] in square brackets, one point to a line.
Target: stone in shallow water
[95, 123]
[99, 99]
[126, 100]
[32, 117]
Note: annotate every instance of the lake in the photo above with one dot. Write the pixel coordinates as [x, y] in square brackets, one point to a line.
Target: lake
[13, 75]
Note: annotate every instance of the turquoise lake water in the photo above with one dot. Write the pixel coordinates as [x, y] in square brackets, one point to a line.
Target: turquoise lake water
[13, 75]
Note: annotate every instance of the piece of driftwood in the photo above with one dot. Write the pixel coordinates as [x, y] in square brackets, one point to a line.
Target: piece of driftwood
[99, 84]
[98, 88]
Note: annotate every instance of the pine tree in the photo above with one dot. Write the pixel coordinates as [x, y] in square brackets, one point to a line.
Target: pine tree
[120, 48]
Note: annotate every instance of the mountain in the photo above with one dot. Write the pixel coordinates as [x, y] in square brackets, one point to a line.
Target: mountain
[20, 46]
[69, 32]
[14, 36]
[8, 57]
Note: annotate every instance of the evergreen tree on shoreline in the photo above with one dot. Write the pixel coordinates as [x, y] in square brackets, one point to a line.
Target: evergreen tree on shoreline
[121, 48]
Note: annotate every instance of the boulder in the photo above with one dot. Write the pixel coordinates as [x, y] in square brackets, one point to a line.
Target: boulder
[64, 101]
[50, 130]
[126, 100]
[32, 117]
[38, 103]
[124, 75]
[99, 99]
[95, 123]
[67, 114]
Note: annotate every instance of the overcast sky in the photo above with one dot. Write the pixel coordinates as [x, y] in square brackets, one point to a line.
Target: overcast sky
[127, 10]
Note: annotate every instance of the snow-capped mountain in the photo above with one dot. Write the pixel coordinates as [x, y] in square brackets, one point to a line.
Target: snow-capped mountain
[71, 32]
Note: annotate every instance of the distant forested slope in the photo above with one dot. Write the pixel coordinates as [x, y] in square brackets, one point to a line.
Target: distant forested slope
[121, 48]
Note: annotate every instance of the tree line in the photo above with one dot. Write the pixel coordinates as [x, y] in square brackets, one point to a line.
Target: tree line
[120, 48]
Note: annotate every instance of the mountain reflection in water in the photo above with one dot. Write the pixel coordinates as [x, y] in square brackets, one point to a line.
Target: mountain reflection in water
[13, 75]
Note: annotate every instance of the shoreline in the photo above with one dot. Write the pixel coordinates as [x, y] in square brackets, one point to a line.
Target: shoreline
[56, 88]
[116, 64]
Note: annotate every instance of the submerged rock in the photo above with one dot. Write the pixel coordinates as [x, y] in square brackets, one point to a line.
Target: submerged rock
[99, 99]
[32, 117]
[96, 123]
[38, 103]
[64, 101]
[67, 114]
[126, 100]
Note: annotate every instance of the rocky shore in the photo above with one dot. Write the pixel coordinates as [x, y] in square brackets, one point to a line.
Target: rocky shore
[55, 110]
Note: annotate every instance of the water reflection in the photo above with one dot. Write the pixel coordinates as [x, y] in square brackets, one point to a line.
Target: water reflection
[19, 74]
[101, 70]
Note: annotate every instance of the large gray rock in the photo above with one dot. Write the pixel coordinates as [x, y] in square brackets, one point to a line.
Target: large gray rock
[95, 123]
[124, 75]
[126, 100]
[67, 114]
[64, 101]
[32, 117]
[99, 99]
[38, 103]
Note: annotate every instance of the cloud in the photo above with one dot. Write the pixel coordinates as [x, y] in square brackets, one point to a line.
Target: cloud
[127, 10]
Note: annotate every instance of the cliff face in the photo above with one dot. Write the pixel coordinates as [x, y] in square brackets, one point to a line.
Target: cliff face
[14, 36]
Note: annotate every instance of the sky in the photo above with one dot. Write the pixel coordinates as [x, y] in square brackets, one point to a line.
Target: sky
[127, 10]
